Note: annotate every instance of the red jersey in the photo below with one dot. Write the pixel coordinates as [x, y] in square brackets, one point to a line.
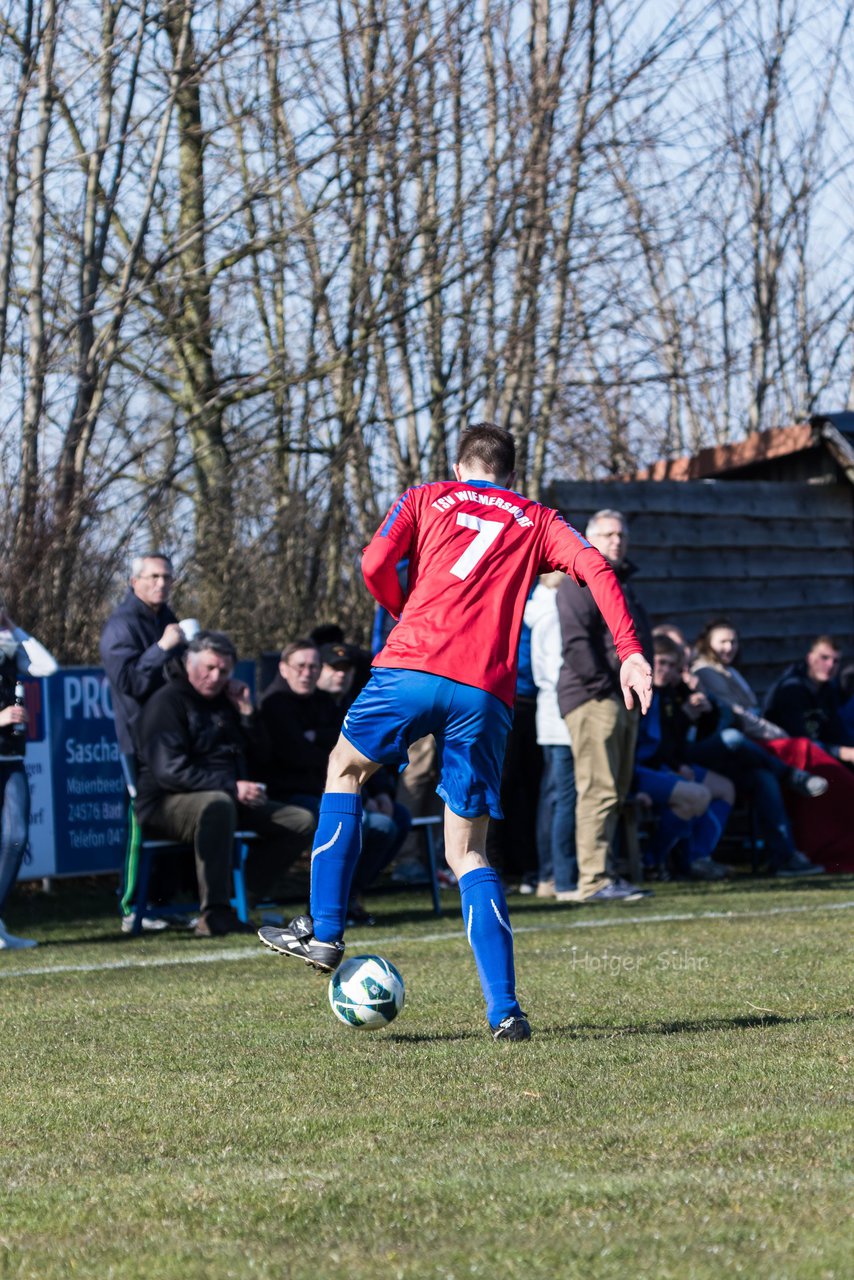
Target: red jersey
[474, 549]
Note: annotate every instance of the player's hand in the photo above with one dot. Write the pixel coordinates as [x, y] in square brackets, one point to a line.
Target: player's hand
[251, 793]
[13, 715]
[172, 636]
[636, 680]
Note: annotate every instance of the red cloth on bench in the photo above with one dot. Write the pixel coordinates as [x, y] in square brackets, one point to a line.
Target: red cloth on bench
[823, 827]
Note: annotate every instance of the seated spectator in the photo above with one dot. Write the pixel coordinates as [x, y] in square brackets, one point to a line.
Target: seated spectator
[677, 635]
[846, 693]
[200, 744]
[303, 722]
[806, 701]
[734, 749]
[558, 869]
[692, 804]
[329, 633]
[338, 673]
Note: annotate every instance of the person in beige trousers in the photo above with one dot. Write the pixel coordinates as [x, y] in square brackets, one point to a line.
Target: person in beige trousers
[603, 729]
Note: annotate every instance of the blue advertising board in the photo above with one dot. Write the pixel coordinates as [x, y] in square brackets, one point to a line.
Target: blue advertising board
[78, 819]
[89, 797]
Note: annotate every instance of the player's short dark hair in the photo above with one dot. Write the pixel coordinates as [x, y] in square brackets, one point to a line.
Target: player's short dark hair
[489, 445]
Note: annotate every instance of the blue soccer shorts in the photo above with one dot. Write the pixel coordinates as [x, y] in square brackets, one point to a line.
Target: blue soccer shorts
[397, 707]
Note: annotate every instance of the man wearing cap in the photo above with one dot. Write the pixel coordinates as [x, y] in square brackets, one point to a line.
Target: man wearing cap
[337, 673]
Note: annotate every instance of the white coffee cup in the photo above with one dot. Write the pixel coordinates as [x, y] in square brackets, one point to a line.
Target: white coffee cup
[191, 628]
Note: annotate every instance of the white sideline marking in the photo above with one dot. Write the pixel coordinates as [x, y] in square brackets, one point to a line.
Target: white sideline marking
[244, 953]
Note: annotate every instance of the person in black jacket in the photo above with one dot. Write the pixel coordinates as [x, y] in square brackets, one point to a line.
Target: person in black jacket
[200, 743]
[302, 722]
[806, 700]
[138, 639]
[602, 729]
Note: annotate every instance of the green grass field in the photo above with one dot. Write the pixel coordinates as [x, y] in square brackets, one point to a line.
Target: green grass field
[181, 1108]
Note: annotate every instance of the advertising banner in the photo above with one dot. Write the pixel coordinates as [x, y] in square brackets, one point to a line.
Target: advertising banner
[78, 817]
[89, 797]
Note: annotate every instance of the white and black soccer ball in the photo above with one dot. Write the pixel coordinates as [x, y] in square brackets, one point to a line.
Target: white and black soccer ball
[366, 992]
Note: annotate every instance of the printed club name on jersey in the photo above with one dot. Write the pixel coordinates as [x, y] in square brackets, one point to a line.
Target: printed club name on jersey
[486, 531]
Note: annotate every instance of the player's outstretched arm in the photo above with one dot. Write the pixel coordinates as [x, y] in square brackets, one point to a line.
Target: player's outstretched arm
[636, 679]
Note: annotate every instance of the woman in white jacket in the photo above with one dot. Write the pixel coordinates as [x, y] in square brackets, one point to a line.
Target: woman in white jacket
[558, 871]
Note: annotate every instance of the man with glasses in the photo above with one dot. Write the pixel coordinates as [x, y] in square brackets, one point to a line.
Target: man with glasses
[138, 639]
[302, 723]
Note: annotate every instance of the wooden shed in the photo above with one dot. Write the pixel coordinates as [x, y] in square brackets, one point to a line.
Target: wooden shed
[761, 532]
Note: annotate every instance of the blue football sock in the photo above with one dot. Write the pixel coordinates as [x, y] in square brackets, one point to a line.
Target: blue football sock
[488, 930]
[708, 829]
[336, 849]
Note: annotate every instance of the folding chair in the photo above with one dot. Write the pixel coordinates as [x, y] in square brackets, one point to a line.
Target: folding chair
[426, 824]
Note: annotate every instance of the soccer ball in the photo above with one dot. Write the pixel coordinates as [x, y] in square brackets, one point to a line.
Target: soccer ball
[366, 992]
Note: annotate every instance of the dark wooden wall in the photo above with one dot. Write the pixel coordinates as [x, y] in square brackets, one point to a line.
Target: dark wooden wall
[776, 558]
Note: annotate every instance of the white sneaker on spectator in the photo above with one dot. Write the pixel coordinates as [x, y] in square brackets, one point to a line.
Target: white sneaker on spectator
[8, 941]
[150, 924]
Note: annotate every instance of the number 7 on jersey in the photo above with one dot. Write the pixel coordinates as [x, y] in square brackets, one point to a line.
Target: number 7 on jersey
[487, 531]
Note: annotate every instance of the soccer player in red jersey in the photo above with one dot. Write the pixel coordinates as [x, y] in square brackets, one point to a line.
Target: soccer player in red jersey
[449, 668]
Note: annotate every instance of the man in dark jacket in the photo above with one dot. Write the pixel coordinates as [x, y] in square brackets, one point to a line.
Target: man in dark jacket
[137, 641]
[806, 700]
[302, 722]
[603, 731]
[200, 743]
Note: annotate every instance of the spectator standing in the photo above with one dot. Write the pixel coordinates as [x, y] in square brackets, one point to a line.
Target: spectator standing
[200, 745]
[138, 639]
[602, 728]
[558, 869]
[20, 655]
